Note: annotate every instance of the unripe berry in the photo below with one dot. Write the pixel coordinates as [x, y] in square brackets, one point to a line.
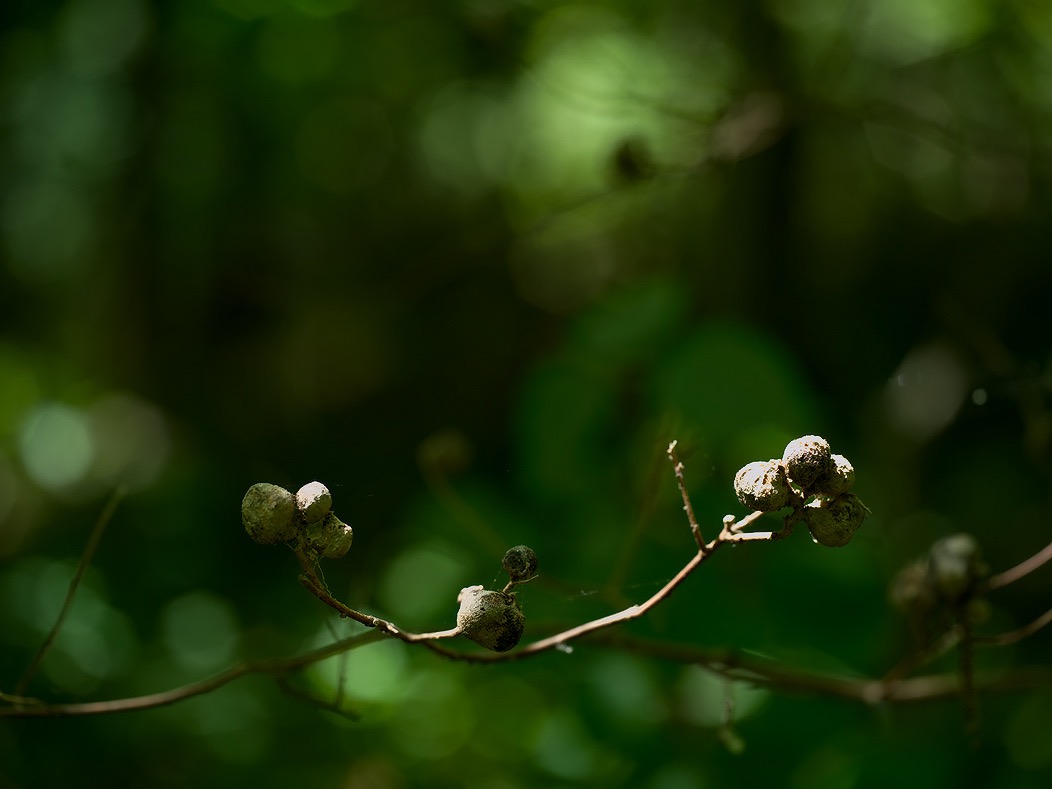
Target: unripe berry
[330, 537]
[268, 513]
[491, 619]
[314, 502]
[762, 486]
[520, 563]
[833, 522]
[839, 479]
[956, 566]
[807, 460]
[911, 590]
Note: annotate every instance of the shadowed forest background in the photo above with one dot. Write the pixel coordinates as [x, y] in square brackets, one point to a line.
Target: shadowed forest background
[473, 264]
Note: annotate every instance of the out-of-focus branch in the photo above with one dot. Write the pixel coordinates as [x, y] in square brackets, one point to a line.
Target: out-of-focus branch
[85, 560]
[1021, 570]
[17, 707]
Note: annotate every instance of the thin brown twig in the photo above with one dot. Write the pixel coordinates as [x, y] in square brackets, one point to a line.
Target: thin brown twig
[34, 708]
[85, 560]
[1022, 569]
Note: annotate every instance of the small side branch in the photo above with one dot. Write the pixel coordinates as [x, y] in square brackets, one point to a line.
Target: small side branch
[1021, 570]
[677, 467]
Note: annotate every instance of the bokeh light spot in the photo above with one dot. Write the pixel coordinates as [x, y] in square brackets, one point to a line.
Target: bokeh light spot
[98, 36]
[56, 445]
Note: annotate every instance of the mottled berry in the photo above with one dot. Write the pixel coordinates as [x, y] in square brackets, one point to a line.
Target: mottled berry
[807, 460]
[520, 563]
[268, 513]
[762, 486]
[491, 619]
[839, 479]
[833, 522]
[330, 537]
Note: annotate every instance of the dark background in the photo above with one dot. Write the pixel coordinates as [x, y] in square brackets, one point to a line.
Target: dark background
[473, 265]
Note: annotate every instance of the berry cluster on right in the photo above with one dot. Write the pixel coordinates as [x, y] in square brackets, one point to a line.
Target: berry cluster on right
[808, 469]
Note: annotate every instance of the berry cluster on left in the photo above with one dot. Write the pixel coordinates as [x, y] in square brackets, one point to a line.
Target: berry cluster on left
[272, 514]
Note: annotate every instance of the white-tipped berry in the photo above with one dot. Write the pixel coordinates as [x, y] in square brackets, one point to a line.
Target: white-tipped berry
[268, 513]
[833, 522]
[839, 479]
[314, 502]
[762, 486]
[520, 563]
[330, 537]
[807, 459]
[491, 619]
[956, 566]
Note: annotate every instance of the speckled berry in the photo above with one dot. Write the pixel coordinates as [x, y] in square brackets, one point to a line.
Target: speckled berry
[491, 619]
[330, 537]
[520, 563]
[807, 459]
[839, 479]
[912, 589]
[762, 486]
[314, 502]
[268, 513]
[833, 522]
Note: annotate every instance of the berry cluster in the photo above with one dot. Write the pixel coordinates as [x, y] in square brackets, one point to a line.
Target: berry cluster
[806, 470]
[272, 514]
[950, 575]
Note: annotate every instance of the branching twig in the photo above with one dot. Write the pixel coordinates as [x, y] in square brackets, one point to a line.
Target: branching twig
[729, 664]
[764, 672]
[33, 708]
[677, 467]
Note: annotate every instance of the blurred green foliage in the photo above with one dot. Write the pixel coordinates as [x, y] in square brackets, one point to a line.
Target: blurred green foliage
[474, 264]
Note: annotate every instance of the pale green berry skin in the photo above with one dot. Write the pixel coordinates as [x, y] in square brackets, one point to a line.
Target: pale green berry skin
[330, 537]
[520, 563]
[807, 459]
[911, 590]
[491, 619]
[762, 486]
[956, 566]
[833, 522]
[314, 502]
[839, 479]
[268, 513]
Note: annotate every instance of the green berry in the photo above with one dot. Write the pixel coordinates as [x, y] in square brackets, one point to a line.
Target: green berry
[314, 501]
[268, 513]
[491, 619]
[520, 563]
[833, 522]
[330, 537]
[762, 486]
[911, 590]
[807, 460]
